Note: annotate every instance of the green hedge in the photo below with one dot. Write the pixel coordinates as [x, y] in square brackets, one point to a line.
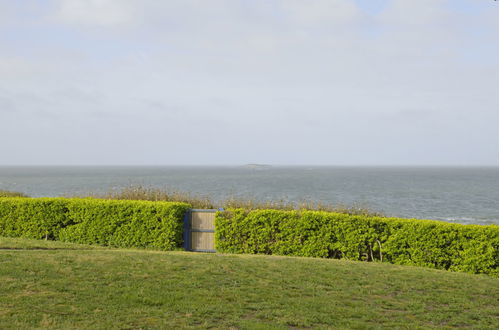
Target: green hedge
[94, 221]
[435, 244]
[428, 243]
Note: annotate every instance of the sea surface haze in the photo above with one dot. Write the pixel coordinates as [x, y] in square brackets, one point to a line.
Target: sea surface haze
[468, 195]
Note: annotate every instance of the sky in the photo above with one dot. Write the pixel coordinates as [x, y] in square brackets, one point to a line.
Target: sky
[228, 82]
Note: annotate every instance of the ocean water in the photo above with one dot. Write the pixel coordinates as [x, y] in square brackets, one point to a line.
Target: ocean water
[454, 194]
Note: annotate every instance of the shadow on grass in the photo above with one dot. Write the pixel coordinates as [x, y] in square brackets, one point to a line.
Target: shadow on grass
[39, 248]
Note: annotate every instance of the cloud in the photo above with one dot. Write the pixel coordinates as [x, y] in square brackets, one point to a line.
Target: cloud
[121, 12]
[320, 11]
[265, 78]
[416, 13]
[96, 12]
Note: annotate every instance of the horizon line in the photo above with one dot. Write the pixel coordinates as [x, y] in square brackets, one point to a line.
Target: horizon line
[249, 164]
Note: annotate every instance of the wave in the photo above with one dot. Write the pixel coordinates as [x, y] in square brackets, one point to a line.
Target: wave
[469, 220]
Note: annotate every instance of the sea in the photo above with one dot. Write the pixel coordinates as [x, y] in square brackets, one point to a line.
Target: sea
[467, 195]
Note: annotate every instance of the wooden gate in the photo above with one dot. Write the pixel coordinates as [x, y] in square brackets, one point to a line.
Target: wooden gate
[199, 230]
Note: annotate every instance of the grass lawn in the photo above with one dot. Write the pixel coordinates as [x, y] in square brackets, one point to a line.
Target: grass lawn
[58, 285]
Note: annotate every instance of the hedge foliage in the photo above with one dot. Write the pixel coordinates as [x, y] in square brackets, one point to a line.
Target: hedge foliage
[428, 243]
[93, 221]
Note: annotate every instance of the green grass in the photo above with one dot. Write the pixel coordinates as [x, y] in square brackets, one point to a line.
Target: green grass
[60, 285]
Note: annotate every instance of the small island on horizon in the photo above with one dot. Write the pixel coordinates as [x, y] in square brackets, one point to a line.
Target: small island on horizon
[257, 166]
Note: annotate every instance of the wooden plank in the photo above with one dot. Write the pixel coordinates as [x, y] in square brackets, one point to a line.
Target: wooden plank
[203, 220]
[202, 241]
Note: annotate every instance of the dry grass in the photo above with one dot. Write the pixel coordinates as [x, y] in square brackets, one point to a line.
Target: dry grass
[137, 192]
[155, 194]
[7, 193]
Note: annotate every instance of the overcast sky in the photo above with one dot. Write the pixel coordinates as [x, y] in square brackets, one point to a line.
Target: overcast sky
[325, 82]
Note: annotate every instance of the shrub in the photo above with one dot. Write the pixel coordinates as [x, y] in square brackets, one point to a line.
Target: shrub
[428, 243]
[91, 221]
